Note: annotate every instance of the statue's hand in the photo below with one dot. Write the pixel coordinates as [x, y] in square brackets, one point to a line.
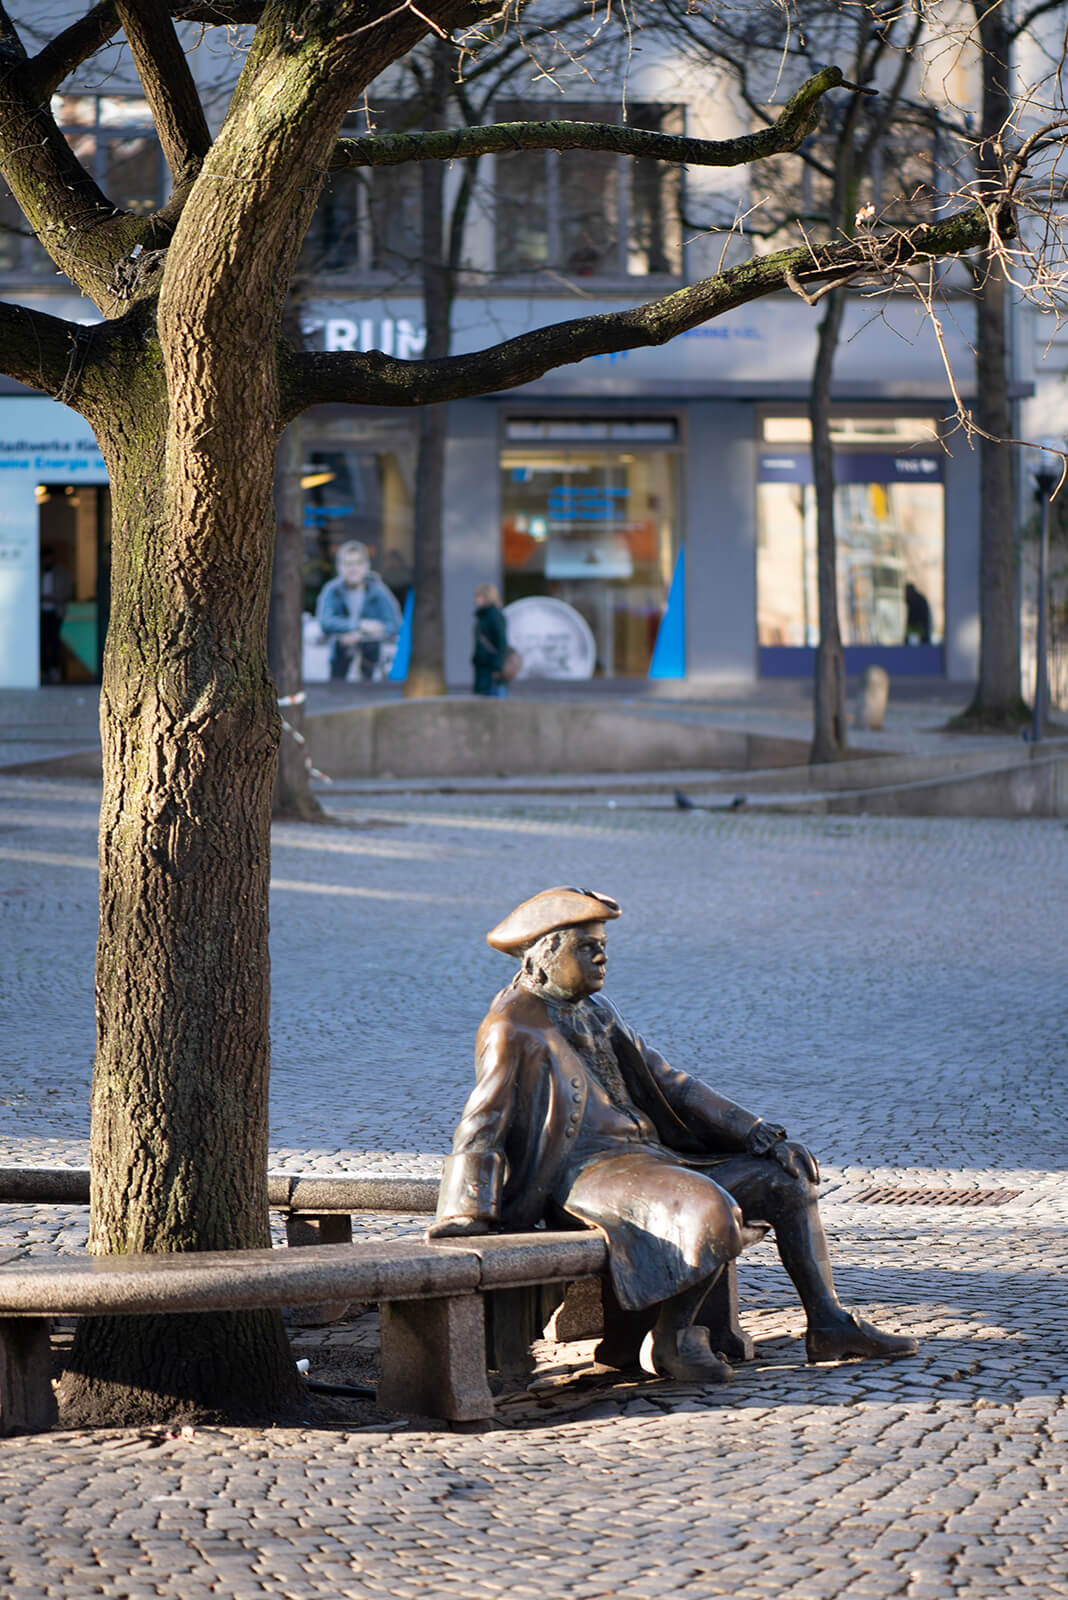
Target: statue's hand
[457, 1228]
[763, 1137]
[795, 1159]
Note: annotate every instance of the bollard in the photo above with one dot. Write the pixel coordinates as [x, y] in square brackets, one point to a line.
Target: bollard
[872, 698]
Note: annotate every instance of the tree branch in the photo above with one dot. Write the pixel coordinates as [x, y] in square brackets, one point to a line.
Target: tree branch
[61, 55]
[320, 378]
[38, 350]
[795, 122]
[12, 48]
[88, 238]
[61, 202]
[219, 13]
[168, 84]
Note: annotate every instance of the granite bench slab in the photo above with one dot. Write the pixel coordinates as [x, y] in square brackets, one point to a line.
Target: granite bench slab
[447, 1307]
[430, 1296]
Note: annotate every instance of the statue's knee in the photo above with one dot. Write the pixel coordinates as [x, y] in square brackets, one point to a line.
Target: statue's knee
[731, 1229]
[799, 1192]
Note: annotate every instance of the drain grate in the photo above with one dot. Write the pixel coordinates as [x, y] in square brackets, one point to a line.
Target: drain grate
[935, 1197]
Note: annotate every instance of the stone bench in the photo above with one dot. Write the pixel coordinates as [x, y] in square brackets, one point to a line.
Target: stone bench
[450, 1310]
[430, 1297]
[317, 1208]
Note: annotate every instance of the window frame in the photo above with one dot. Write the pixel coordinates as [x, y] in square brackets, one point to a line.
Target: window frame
[553, 267]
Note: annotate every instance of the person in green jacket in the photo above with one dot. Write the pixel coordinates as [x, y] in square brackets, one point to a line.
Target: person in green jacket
[491, 641]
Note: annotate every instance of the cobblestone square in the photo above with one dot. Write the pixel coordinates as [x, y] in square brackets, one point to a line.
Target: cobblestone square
[893, 990]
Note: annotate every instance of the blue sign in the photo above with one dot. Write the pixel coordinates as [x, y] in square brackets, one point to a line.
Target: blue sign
[586, 503]
[795, 466]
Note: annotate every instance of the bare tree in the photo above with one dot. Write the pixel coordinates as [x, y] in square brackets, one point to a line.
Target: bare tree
[188, 383]
[993, 132]
[871, 157]
[442, 87]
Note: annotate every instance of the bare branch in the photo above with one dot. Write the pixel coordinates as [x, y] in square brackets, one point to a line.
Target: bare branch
[61, 55]
[38, 349]
[168, 84]
[796, 121]
[375, 379]
[62, 204]
[219, 13]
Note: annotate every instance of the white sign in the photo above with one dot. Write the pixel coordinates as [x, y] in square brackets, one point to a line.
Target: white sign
[40, 442]
[553, 638]
[394, 336]
[887, 346]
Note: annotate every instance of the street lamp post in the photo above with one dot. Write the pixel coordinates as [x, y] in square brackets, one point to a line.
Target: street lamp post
[1045, 480]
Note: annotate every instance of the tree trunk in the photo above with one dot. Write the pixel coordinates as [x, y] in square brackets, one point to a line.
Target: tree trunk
[189, 729]
[184, 396]
[293, 798]
[426, 673]
[829, 738]
[997, 701]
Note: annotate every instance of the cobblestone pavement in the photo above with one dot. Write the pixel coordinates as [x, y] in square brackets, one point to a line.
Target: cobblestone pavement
[891, 989]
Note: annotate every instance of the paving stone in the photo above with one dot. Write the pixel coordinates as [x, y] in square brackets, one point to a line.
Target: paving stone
[850, 982]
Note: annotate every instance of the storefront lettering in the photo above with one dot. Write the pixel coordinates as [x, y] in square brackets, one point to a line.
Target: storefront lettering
[54, 446]
[397, 337]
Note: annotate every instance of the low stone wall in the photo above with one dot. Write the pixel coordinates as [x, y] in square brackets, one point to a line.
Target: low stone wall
[454, 738]
[1037, 786]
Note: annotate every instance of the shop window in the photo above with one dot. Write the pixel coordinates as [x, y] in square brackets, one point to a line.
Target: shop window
[583, 212]
[598, 529]
[369, 219]
[74, 531]
[114, 138]
[889, 523]
[358, 484]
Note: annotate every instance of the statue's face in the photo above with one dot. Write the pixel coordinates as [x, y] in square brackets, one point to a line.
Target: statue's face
[577, 968]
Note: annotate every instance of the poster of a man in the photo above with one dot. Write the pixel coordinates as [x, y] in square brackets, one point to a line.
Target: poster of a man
[358, 615]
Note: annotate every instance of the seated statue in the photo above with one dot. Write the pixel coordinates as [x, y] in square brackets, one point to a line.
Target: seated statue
[575, 1118]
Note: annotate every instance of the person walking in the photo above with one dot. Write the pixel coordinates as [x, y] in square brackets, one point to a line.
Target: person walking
[491, 641]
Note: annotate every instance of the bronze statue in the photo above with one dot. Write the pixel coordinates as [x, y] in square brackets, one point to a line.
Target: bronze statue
[574, 1117]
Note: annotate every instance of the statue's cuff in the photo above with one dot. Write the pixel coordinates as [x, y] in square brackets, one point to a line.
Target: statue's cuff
[471, 1186]
[762, 1136]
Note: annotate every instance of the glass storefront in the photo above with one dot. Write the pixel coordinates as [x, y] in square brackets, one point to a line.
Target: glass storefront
[359, 483]
[589, 515]
[74, 533]
[890, 528]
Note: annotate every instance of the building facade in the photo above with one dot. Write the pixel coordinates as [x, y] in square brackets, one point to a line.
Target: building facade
[667, 483]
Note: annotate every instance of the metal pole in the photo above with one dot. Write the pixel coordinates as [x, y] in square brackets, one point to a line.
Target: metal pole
[1038, 715]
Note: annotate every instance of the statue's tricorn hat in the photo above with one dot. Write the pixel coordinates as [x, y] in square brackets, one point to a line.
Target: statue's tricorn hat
[545, 912]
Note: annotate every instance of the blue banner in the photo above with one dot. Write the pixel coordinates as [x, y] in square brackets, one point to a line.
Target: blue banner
[910, 466]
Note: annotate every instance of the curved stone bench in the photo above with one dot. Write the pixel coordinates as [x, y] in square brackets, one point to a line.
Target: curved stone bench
[430, 1297]
[448, 1308]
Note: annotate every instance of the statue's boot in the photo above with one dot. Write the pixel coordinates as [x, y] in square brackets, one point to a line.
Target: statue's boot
[833, 1333]
[850, 1337]
[685, 1355]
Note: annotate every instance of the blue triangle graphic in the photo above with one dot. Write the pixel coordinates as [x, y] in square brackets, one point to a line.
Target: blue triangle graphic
[669, 652]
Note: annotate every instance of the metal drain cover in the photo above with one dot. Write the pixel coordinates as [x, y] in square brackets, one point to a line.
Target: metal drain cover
[884, 1196]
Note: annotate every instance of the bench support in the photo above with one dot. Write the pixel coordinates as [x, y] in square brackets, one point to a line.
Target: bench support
[27, 1403]
[434, 1358]
[328, 1227]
